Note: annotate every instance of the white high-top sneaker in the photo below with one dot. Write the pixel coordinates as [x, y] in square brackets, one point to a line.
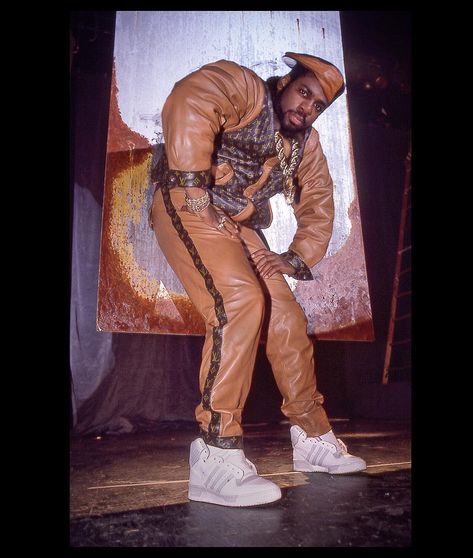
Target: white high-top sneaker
[313, 454]
[227, 477]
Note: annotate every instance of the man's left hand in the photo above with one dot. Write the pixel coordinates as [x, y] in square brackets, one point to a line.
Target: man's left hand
[268, 263]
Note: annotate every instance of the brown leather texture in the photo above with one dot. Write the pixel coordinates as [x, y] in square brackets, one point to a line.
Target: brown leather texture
[222, 173]
[237, 306]
[315, 209]
[224, 96]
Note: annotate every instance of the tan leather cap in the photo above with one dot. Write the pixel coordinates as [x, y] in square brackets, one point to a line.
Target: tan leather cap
[329, 76]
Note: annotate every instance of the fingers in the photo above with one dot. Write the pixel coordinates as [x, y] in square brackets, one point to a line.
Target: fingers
[228, 227]
[260, 254]
[217, 219]
[268, 263]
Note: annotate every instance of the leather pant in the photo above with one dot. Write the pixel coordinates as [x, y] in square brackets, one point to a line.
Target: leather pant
[235, 304]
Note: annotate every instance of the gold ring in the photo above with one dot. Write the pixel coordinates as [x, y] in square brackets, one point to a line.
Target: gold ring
[221, 223]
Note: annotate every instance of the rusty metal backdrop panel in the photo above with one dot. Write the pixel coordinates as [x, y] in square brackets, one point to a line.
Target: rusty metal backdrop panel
[138, 291]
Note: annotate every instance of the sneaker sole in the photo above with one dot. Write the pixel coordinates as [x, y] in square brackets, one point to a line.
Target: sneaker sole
[199, 494]
[305, 467]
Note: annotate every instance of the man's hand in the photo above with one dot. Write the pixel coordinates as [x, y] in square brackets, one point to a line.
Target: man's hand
[217, 219]
[268, 263]
[213, 216]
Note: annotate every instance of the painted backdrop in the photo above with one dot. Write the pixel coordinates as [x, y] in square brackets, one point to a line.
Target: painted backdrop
[138, 292]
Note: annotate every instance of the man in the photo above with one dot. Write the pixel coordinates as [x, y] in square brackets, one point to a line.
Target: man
[232, 141]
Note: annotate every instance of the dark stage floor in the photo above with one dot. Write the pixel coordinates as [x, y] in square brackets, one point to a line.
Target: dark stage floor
[130, 490]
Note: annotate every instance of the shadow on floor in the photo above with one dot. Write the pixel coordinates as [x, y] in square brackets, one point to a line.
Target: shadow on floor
[360, 510]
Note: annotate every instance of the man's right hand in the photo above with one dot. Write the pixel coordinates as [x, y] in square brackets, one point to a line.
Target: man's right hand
[214, 216]
[217, 219]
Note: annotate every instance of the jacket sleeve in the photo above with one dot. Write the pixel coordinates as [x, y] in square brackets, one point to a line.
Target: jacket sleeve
[315, 210]
[221, 95]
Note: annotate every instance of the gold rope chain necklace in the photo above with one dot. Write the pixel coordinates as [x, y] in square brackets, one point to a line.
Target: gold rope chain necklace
[287, 169]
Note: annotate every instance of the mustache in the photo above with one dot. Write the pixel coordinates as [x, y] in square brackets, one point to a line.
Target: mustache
[300, 114]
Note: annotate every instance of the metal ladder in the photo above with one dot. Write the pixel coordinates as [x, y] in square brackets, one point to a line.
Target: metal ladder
[397, 358]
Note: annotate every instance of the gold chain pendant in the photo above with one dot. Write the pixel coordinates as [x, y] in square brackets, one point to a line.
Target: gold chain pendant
[287, 170]
[289, 190]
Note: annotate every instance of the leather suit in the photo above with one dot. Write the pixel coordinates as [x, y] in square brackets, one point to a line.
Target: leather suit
[218, 126]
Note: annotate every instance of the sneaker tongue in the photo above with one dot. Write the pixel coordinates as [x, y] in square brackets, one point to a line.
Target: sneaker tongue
[330, 437]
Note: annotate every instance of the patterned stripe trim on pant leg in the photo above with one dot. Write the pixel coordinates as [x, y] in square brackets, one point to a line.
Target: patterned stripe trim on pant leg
[212, 436]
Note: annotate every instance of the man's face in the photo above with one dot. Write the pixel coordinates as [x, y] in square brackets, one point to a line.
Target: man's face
[301, 102]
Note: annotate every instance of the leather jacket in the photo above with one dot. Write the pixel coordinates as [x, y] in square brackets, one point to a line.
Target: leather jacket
[218, 125]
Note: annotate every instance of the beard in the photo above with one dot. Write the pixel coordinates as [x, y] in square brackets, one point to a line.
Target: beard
[287, 127]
